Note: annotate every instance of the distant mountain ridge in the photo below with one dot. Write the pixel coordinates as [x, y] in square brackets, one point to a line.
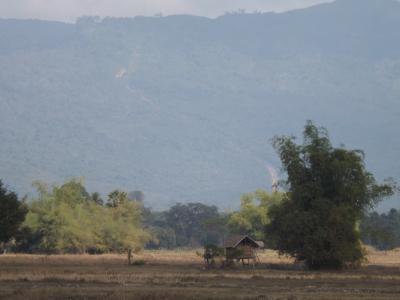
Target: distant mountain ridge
[183, 107]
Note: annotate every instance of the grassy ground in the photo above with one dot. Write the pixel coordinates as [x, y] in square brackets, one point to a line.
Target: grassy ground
[181, 275]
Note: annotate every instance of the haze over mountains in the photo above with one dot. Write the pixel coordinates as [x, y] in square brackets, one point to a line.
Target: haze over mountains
[183, 107]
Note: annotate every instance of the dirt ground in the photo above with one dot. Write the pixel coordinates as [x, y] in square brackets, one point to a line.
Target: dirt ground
[181, 275]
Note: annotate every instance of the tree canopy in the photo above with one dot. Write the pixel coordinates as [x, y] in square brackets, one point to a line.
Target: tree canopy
[328, 190]
[381, 230]
[189, 222]
[12, 213]
[67, 219]
[252, 217]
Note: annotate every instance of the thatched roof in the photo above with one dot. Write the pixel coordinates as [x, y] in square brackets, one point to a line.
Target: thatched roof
[234, 241]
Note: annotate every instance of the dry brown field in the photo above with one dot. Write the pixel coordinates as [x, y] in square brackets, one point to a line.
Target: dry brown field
[181, 275]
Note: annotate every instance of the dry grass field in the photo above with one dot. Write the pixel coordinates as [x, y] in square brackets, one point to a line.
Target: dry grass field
[181, 275]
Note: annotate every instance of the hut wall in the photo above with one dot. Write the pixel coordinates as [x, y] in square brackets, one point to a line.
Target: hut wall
[240, 252]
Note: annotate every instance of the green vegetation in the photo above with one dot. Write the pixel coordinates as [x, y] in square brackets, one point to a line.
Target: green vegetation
[328, 192]
[321, 217]
[381, 230]
[252, 217]
[12, 214]
[67, 219]
[196, 224]
[187, 225]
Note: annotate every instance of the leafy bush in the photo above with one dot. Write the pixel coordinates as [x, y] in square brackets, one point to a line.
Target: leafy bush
[66, 219]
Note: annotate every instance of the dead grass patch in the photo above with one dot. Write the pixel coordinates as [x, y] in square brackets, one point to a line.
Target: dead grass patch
[181, 275]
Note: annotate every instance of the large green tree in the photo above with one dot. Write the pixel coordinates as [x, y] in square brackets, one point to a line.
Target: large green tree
[328, 190]
[12, 214]
[192, 223]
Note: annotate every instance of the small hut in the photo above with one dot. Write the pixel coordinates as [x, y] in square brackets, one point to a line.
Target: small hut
[241, 248]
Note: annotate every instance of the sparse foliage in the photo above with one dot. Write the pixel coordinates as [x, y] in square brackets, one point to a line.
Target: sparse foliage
[117, 198]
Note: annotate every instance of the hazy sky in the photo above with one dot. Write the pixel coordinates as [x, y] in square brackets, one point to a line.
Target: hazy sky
[69, 10]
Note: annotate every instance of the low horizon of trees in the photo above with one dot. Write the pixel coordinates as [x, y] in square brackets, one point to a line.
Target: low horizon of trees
[322, 217]
[381, 231]
[67, 219]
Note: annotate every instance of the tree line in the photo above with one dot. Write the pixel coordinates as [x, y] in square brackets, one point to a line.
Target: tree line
[381, 230]
[321, 217]
[67, 219]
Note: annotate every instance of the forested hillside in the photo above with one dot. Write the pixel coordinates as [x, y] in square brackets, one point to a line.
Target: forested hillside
[183, 107]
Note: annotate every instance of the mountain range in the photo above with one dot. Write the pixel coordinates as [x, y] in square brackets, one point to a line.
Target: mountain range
[184, 107]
